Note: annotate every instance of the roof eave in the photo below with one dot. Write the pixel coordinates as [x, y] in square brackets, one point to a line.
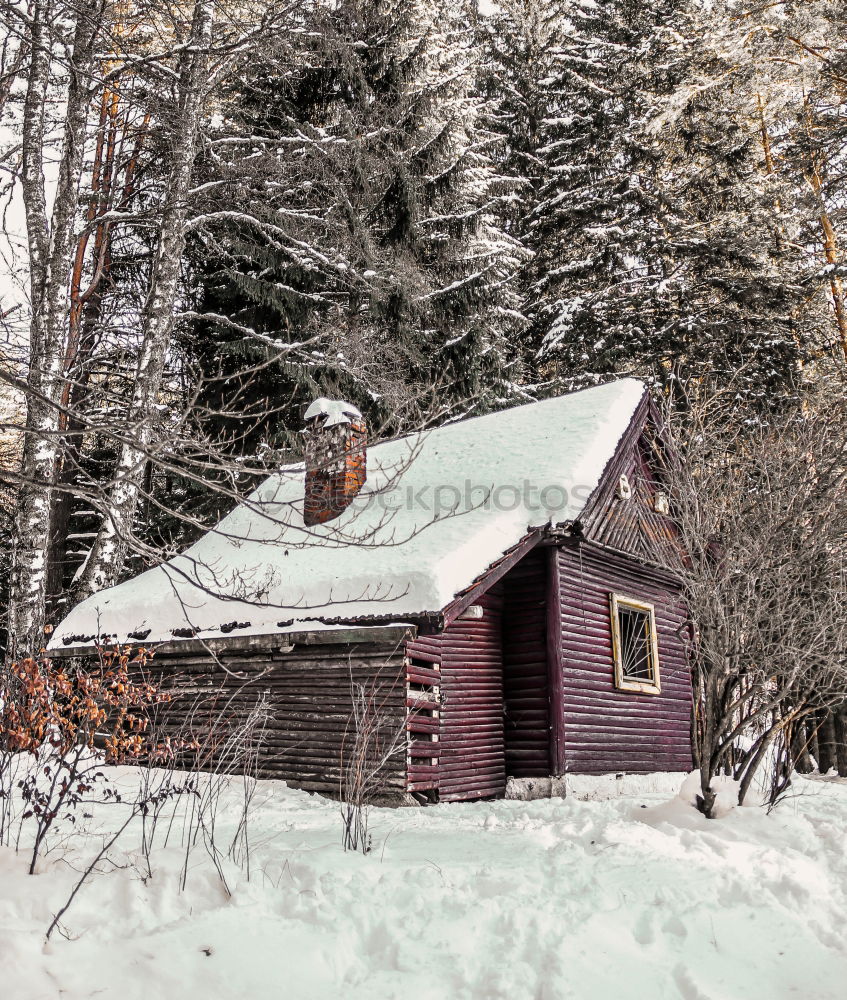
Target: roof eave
[380, 634]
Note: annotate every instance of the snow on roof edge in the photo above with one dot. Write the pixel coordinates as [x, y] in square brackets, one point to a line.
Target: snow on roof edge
[300, 632]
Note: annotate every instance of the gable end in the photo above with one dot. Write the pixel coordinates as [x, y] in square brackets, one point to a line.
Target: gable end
[628, 511]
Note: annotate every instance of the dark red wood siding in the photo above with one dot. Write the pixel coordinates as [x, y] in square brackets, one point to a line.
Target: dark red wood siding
[309, 691]
[494, 712]
[606, 729]
[527, 720]
[472, 760]
[633, 526]
[423, 724]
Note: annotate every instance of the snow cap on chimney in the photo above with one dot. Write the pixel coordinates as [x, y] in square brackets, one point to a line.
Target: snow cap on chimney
[336, 411]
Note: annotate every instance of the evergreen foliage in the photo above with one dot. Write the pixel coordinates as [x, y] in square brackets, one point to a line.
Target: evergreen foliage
[433, 212]
[594, 227]
[457, 211]
[671, 239]
[367, 224]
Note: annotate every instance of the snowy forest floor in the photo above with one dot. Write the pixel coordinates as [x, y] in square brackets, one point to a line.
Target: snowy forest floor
[632, 898]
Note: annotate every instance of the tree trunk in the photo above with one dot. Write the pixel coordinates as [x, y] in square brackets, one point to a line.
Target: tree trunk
[708, 760]
[50, 244]
[812, 737]
[841, 739]
[12, 71]
[830, 246]
[800, 748]
[826, 741]
[753, 765]
[86, 310]
[108, 553]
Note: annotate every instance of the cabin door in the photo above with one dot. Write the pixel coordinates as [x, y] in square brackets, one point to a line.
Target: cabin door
[525, 687]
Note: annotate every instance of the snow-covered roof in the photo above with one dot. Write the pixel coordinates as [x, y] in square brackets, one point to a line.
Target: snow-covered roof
[438, 509]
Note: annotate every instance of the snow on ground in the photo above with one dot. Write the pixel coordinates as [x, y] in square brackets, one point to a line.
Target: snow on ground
[632, 898]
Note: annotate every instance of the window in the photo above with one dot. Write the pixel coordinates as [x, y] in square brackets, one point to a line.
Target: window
[634, 645]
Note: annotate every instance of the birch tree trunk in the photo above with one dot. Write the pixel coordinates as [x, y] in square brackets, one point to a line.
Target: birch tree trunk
[108, 553]
[51, 245]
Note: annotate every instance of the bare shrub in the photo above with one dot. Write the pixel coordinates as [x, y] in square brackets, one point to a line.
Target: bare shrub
[60, 726]
[146, 799]
[373, 740]
[69, 723]
[223, 750]
[11, 767]
[761, 508]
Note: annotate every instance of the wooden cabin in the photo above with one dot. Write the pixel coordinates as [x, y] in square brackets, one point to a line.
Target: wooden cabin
[504, 590]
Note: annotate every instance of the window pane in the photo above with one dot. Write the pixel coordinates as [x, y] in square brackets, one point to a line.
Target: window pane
[635, 644]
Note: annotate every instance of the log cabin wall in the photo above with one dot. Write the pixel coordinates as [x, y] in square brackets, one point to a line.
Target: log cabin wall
[608, 730]
[527, 715]
[495, 704]
[309, 692]
[472, 761]
[423, 724]
[474, 700]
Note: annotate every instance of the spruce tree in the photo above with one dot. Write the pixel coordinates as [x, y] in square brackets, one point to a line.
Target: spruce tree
[592, 228]
[523, 42]
[352, 245]
[734, 311]
[665, 246]
[812, 141]
[374, 211]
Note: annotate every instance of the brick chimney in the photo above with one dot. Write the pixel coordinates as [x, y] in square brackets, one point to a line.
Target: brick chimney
[336, 458]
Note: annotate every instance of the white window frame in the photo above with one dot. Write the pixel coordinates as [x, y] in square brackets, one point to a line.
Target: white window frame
[654, 685]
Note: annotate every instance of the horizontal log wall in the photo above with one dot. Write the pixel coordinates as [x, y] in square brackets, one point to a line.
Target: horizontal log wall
[527, 717]
[423, 725]
[606, 729]
[472, 763]
[308, 731]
